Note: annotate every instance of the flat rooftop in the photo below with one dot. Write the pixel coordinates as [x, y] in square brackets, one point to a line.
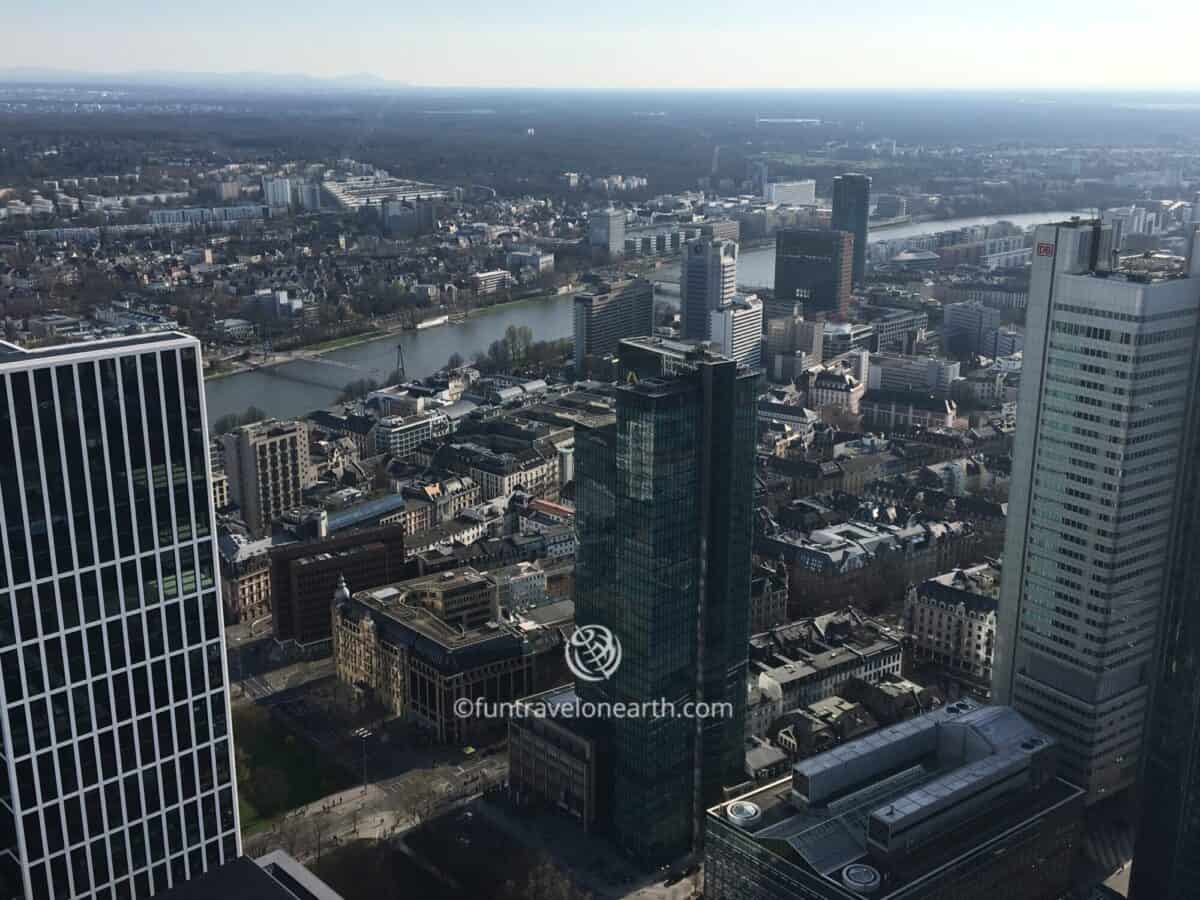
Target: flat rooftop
[913, 771]
[12, 353]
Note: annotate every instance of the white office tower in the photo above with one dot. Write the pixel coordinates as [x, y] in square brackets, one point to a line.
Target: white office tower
[735, 329]
[114, 705]
[606, 230]
[792, 193]
[707, 279]
[1106, 386]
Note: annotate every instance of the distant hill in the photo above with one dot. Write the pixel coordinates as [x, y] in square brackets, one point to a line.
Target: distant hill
[241, 81]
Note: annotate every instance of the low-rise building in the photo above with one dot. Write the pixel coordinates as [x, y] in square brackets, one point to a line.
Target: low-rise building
[951, 623]
[390, 645]
[551, 765]
[963, 803]
[245, 577]
[892, 410]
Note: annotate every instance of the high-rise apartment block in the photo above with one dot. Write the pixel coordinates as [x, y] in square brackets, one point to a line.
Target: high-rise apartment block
[267, 465]
[664, 498]
[606, 230]
[114, 700]
[735, 329]
[612, 310]
[707, 279]
[852, 213]
[1098, 457]
[277, 191]
[814, 268]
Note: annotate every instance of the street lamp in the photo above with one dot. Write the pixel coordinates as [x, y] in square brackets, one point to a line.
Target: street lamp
[363, 734]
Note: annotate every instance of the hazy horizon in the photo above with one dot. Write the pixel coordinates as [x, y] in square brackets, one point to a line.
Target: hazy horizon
[876, 45]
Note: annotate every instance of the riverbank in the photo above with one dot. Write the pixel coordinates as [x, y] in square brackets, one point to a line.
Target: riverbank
[396, 329]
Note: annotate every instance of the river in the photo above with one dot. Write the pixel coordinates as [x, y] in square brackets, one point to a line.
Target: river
[756, 267]
[295, 388]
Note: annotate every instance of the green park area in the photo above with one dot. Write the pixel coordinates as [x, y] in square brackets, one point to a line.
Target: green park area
[277, 770]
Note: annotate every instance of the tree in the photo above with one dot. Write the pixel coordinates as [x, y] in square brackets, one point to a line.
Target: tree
[233, 421]
[455, 361]
[268, 790]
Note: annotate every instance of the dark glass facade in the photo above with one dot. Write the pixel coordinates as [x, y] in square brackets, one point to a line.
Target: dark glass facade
[116, 740]
[852, 213]
[1167, 854]
[663, 500]
[814, 267]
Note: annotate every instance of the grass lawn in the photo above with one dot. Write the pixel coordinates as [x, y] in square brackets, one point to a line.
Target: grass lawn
[277, 770]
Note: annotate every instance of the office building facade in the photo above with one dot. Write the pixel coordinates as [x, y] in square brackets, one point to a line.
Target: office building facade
[735, 329]
[814, 268]
[115, 708]
[793, 193]
[852, 213]
[1097, 459]
[1167, 854]
[707, 279]
[611, 311]
[663, 507]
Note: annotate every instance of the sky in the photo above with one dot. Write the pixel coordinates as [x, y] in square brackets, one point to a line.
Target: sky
[627, 43]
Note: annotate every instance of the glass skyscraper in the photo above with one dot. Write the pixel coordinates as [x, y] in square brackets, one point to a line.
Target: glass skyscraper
[664, 499]
[1106, 392]
[852, 213]
[1166, 860]
[113, 685]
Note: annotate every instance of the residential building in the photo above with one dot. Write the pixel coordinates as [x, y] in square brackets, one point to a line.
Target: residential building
[114, 701]
[814, 268]
[1093, 505]
[267, 464]
[663, 512]
[735, 329]
[963, 803]
[810, 659]
[852, 213]
[611, 311]
[707, 281]
[245, 577]
[606, 231]
[277, 191]
[951, 623]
